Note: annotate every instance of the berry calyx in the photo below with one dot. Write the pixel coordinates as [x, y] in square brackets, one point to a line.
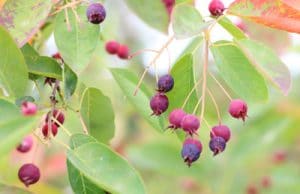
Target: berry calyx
[191, 150]
[96, 13]
[238, 109]
[123, 52]
[165, 83]
[159, 104]
[58, 115]
[216, 8]
[29, 174]
[175, 118]
[45, 129]
[112, 47]
[217, 145]
[221, 131]
[190, 124]
[28, 108]
[25, 145]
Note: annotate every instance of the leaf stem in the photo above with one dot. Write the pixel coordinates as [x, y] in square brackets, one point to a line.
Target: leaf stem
[84, 128]
[215, 104]
[205, 64]
[221, 86]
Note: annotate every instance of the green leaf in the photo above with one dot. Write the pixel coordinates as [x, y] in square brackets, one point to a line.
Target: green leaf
[238, 72]
[98, 115]
[187, 21]
[267, 62]
[23, 19]
[231, 28]
[151, 12]
[70, 81]
[77, 44]
[20, 100]
[106, 169]
[127, 82]
[13, 70]
[6, 189]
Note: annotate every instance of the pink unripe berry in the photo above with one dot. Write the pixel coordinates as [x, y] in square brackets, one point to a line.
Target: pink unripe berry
[28, 108]
[175, 118]
[191, 150]
[238, 109]
[220, 131]
[112, 47]
[45, 129]
[25, 145]
[123, 52]
[58, 115]
[159, 104]
[216, 7]
[29, 174]
[190, 124]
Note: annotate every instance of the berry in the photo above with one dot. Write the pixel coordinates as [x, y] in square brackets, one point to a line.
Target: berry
[169, 4]
[220, 131]
[191, 150]
[165, 83]
[123, 52]
[96, 13]
[57, 56]
[29, 174]
[159, 104]
[217, 145]
[238, 109]
[49, 81]
[190, 124]
[216, 7]
[112, 47]
[25, 145]
[28, 108]
[58, 115]
[45, 129]
[252, 189]
[279, 156]
[266, 182]
[175, 118]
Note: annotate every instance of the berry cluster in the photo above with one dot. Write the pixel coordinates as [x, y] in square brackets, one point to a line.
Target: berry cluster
[114, 48]
[57, 119]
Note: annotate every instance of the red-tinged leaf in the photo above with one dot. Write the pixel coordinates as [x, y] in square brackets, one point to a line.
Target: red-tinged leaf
[279, 14]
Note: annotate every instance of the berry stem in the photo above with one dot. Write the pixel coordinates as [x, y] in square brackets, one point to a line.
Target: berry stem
[76, 15]
[160, 51]
[215, 104]
[169, 60]
[191, 92]
[141, 51]
[197, 105]
[62, 143]
[84, 128]
[220, 85]
[60, 125]
[64, 7]
[206, 123]
[205, 64]
[67, 20]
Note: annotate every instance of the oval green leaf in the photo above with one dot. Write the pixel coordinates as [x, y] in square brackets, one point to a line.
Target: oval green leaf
[70, 81]
[231, 28]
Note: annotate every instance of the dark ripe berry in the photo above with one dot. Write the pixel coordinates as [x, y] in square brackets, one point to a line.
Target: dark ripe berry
[165, 83]
[159, 104]
[216, 7]
[25, 145]
[58, 115]
[266, 182]
[29, 174]
[175, 118]
[112, 47]
[252, 189]
[123, 52]
[190, 124]
[217, 145]
[45, 129]
[96, 13]
[191, 150]
[238, 109]
[220, 131]
[28, 108]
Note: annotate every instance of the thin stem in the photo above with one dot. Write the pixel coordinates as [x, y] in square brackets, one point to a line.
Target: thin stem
[207, 124]
[191, 92]
[169, 60]
[205, 64]
[67, 20]
[76, 15]
[220, 85]
[141, 51]
[64, 7]
[215, 22]
[62, 143]
[151, 63]
[216, 105]
[197, 105]
[60, 125]
[85, 130]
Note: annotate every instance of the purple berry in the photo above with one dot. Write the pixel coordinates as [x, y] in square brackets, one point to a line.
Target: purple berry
[28, 108]
[216, 7]
[220, 131]
[159, 104]
[175, 118]
[190, 124]
[191, 150]
[25, 145]
[112, 47]
[217, 145]
[238, 109]
[96, 13]
[165, 83]
[58, 115]
[29, 174]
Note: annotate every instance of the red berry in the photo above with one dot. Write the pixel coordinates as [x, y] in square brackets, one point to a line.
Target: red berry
[96, 13]
[159, 104]
[45, 130]
[238, 109]
[175, 118]
[252, 189]
[28, 108]
[216, 7]
[25, 145]
[191, 150]
[279, 156]
[217, 145]
[190, 124]
[112, 47]
[29, 174]
[123, 52]
[220, 131]
[266, 182]
[169, 4]
[58, 115]
[57, 56]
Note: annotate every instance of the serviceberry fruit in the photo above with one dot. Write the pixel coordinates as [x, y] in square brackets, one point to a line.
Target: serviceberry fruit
[28, 108]
[159, 104]
[252, 189]
[58, 115]
[220, 131]
[165, 83]
[112, 47]
[238, 109]
[169, 4]
[279, 156]
[96, 13]
[216, 7]
[217, 145]
[25, 145]
[57, 56]
[29, 174]
[190, 124]
[45, 129]
[175, 118]
[191, 150]
[266, 182]
[123, 52]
